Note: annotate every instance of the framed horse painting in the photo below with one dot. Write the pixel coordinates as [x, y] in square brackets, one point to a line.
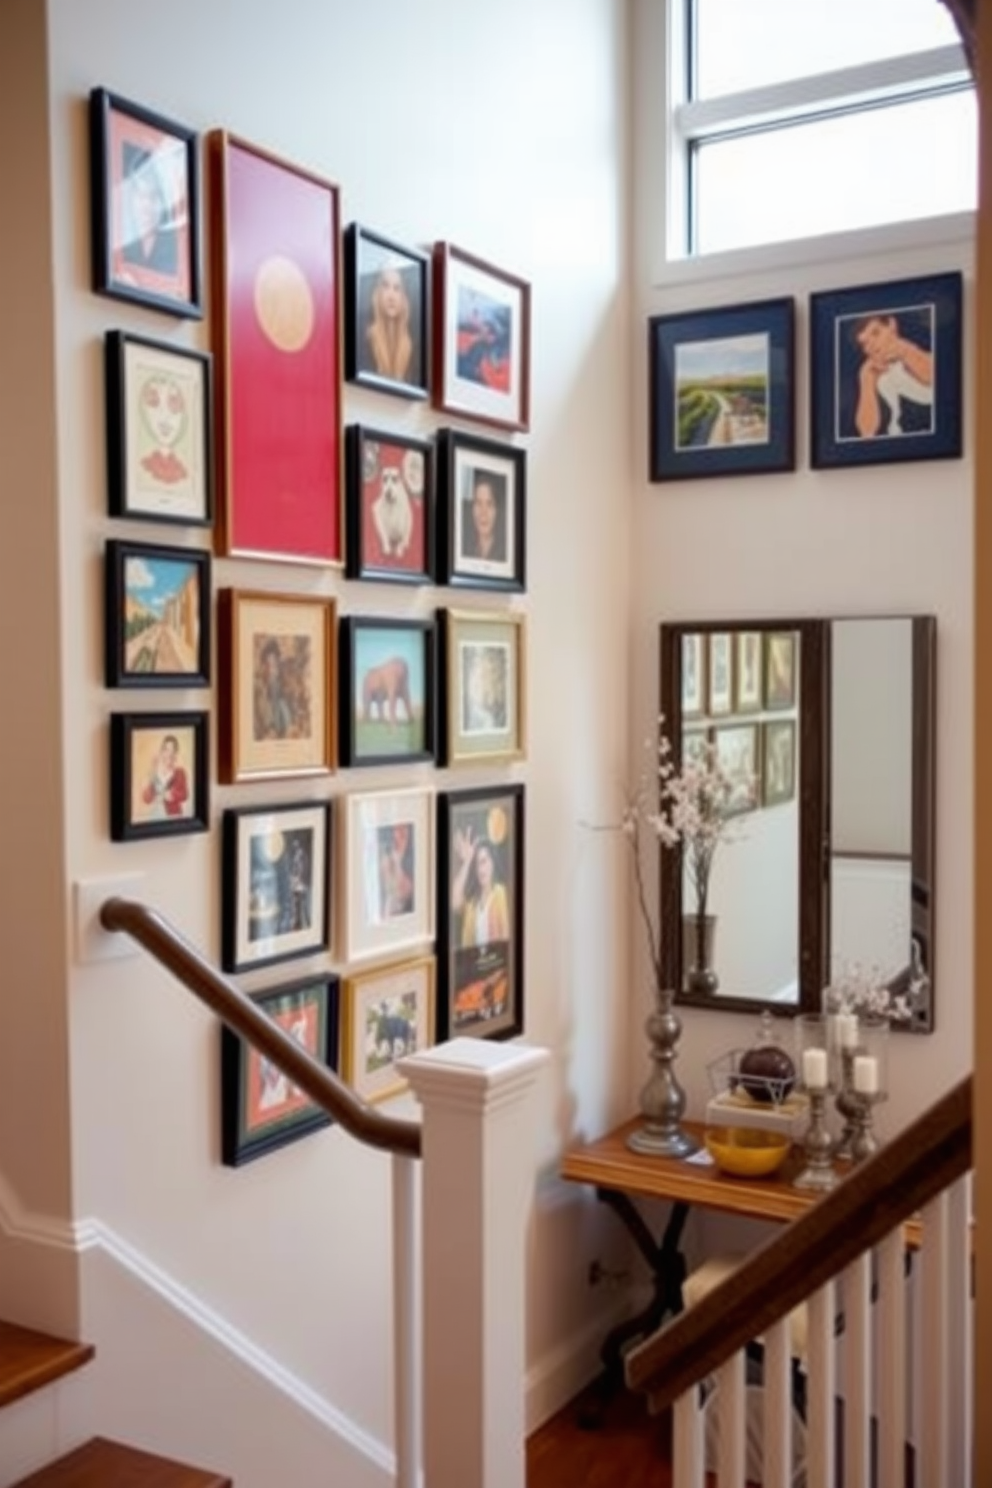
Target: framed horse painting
[387, 691]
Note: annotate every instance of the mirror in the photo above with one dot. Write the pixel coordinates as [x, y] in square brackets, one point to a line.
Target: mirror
[823, 730]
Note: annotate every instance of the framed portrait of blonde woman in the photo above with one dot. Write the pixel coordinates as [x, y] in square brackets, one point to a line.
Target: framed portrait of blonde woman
[481, 686]
[387, 314]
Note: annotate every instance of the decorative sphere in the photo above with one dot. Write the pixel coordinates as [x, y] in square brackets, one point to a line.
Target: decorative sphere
[767, 1073]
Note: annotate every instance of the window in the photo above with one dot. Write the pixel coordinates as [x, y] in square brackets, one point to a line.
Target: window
[796, 119]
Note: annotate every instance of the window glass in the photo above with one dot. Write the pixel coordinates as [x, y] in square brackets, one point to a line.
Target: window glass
[748, 43]
[884, 164]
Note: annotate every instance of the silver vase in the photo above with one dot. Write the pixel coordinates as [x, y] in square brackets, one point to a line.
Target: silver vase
[662, 1102]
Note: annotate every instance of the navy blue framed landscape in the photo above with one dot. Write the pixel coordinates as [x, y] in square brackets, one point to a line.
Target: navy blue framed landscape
[885, 374]
[722, 390]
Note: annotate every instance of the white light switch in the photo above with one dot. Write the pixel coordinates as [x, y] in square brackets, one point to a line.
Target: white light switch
[93, 943]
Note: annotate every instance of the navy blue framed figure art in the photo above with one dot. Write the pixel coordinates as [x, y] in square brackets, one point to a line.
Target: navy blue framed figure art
[885, 376]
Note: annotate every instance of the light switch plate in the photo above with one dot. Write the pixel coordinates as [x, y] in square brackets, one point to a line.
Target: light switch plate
[93, 943]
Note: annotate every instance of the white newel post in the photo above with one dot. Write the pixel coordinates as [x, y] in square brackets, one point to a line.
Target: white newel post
[478, 1101]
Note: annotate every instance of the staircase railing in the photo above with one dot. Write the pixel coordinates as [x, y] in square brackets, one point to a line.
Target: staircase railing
[922, 1169]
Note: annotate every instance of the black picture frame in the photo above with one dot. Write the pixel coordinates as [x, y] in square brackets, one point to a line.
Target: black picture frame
[370, 360]
[467, 466]
[167, 591]
[159, 467]
[729, 374]
[384, 656]
[905, 334]
[143, 163]
[261, 1109]
[481, 985]
[390, 507]
[275, 905]
[164, 805]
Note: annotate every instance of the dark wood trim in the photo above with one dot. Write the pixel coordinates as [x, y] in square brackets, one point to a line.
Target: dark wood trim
[161, 940]
[924, 805]
[911, 1170]
[865, 855]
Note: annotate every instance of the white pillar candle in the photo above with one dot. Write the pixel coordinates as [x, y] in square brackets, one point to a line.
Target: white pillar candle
[847, 1030]
[815, 1069]
[866, 1074]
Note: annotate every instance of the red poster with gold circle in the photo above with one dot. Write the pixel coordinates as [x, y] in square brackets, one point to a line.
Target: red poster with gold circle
[277, 307]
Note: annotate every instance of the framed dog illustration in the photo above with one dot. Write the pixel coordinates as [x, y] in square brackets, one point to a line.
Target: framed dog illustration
[390, 507]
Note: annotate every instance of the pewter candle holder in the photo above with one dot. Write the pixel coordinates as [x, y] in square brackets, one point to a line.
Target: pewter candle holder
[813, 1065]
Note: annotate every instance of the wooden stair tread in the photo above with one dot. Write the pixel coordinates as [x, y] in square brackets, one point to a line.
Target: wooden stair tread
[107, 1464]
[29, 1360]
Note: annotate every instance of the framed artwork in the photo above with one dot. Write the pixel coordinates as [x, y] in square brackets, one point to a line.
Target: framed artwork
[275, 868]
[159, 775]
[390, 507]
[885, 375]
[481, 340]
[694, 693]
[388, 1013]
[157, 630]
[778, 753]
[748, 671]
[480, 912]
[695, 746]
[145, 200]
[387, 314]
[482, 688]
[159, 451]
[737, 755]
[277, 685]
[388, 872]
[721, 673]
[722, 391]
[277, 309]
[261, 1108]
[484, 523]
[780, 669]
[387, 691]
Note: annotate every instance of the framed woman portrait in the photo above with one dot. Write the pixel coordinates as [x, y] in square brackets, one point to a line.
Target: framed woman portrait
[389, 532]
[157, 601]
[481, 340]
[261, 1108]
[159, 451]
[721, 673]
[145, 201]
[388, 872]
[481, 912]
[481, 675]
[780, 669]
[387, 314]
[387, 690]
[277, 685]
[748, 671]
[159, 775]
[388, 1013]
[275, 863]
[483, 512]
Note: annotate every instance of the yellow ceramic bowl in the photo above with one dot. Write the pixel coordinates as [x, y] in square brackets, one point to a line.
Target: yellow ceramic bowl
[746, 1152]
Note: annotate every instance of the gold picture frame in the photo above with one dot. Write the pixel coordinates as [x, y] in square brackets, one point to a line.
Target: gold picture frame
[483, 686]
[388, 1012]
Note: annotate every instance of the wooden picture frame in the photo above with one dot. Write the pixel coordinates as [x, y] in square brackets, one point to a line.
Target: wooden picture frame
[390, 507]
[157, 614]
[722, 391]
[275, 872]
[145, 206]
[159, 775]
[749, 671]
[778, 761]
[780, 670]
[737, 754]
[483, 504]
[387, 872]
[277, 685]
[695, 688]
[159, 441]
[388, 1013]
[720, 674]
[481, 340]
[481, 912]
[277, 321]
[261, 1109]
[482, 686]
[388, 707]
[387, 314]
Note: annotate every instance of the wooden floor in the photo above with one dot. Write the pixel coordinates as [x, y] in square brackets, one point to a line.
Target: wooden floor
[629, 1449]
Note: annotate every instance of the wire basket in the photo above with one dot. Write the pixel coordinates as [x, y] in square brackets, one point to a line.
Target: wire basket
[726, 1078]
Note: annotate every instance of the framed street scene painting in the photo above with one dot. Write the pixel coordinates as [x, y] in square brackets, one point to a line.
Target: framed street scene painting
[157, 603]
[261, 1108]
[483, 512]
[145, 202]
[159, 775]
[387, 314]
[480, 912]
[388, 1013]
[885, 377]
[387, 690]
[390, 507]
[275, 865]
[481, 340]
[481, 676]
[722, 391]
[388, 872]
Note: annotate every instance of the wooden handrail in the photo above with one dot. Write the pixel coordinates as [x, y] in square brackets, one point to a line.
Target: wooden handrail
[865, 1207]
[163, 941]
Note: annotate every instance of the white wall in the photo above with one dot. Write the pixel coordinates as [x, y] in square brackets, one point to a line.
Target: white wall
[440, 120]
[889, 540]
